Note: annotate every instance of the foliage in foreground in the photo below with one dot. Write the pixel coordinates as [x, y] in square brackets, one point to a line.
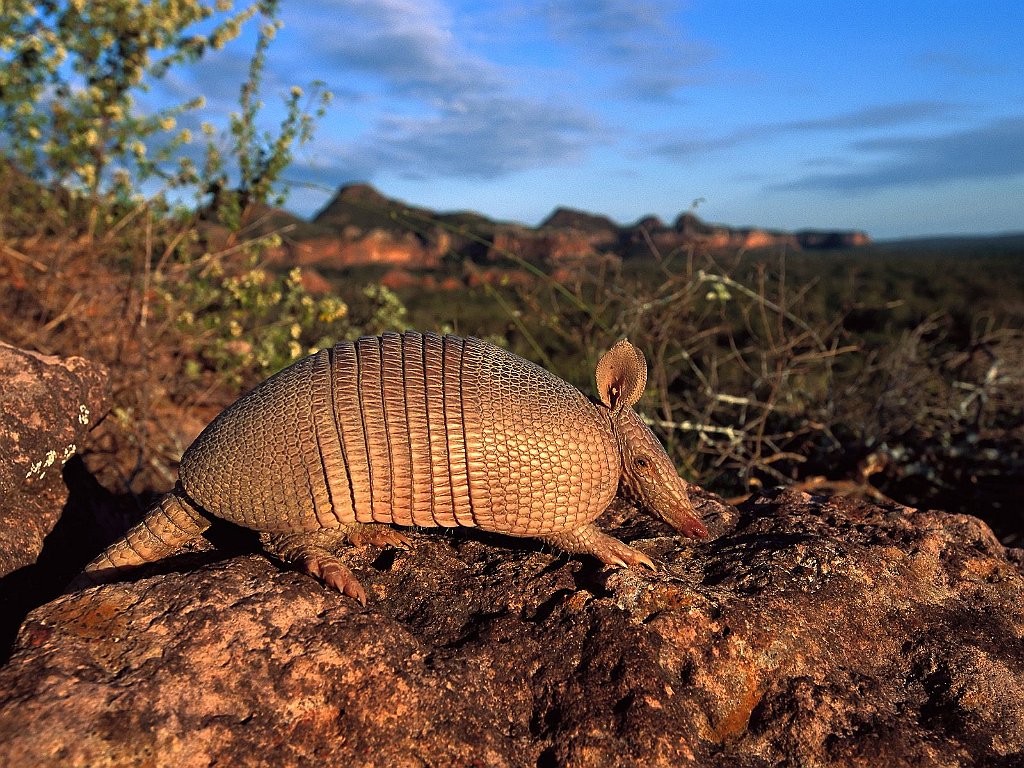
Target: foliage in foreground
[179, 303]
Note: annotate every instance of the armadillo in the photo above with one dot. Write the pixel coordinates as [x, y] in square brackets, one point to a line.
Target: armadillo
[411, 429]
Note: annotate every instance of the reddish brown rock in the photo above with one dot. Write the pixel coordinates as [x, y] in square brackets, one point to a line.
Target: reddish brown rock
[361, 226]
[47, 404]
[810, 238]
[315, 283]
[544, 247]
[450, 284]
[356, 248]
[398, 279]
[805, 632]
[581, 221]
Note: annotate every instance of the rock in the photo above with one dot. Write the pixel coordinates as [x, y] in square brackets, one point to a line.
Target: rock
[376, 246]
[806, 632]
[690, 230]
[400, 279]
[315, 283]
[814, 239]
[569, 218]
[551, 248]
[47, 404]
[651, 223]
[362, 226]
[690, 224]
[364, 208]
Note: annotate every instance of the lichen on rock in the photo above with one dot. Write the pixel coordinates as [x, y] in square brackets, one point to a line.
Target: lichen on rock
[45, 402]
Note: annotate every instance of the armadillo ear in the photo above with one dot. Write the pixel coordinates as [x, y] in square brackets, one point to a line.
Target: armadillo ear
[621, 376]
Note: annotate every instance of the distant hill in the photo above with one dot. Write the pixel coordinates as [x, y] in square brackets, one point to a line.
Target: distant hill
[359, 225]
[569, 218]
[364, 208]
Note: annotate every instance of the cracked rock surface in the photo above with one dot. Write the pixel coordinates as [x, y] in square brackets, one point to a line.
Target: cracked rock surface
[47, 404]
[806, 631]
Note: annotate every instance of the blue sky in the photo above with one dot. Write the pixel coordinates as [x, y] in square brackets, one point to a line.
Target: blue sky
[900, 118]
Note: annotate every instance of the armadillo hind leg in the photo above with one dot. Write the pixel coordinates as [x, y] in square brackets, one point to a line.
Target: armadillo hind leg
[169, 523]
[311, 551]
[377, 534]
[588, 540]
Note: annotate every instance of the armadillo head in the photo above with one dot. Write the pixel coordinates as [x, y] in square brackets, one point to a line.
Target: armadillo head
[648, 475]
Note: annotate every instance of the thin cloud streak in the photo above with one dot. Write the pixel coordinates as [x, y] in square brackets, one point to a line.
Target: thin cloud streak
[868, 118]
[955, 63]
[482, 140]
[995, 150]
[884, 116]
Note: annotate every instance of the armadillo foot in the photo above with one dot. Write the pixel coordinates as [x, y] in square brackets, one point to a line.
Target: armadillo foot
[377, 534]
[329, 569]
[309, 552]
[590, 541]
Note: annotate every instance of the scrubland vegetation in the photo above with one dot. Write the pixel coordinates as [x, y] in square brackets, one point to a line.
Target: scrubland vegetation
[881, 372]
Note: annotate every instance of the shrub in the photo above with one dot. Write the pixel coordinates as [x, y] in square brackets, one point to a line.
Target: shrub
[178, 303]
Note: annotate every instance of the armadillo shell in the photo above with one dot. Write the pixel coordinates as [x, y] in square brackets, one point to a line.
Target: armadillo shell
[411, 429]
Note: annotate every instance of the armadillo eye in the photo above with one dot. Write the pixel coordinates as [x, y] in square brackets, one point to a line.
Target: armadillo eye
[641, 463]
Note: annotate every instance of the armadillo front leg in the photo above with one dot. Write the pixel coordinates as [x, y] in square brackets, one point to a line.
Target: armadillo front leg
[588, 540]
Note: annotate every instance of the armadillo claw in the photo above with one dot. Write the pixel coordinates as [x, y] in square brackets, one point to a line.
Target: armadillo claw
[377, 534]
[627, 556]
[605, 548]
[611, 551]
[334, 574]
[644, 560]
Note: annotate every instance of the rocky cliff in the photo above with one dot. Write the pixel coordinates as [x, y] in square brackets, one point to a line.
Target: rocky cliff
[804, 631]
[361, 226]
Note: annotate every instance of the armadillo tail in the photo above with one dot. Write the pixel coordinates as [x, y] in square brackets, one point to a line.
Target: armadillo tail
[170, 522]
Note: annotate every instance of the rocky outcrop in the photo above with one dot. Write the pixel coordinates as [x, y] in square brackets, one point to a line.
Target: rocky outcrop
[649, 223]
[355, 248]
[689, 230]
[581, 221]
[362, 226]
[47, 404]
[817, 239]
[363, 209]
[545, 247]
[806, 631]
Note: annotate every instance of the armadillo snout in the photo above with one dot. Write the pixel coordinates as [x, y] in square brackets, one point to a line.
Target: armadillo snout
[667, 498]
[684, 519]
[649, 476]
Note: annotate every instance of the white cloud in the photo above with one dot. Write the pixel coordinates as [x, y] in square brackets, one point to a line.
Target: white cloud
[446, 112]
[410, 47]
[479, 138]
